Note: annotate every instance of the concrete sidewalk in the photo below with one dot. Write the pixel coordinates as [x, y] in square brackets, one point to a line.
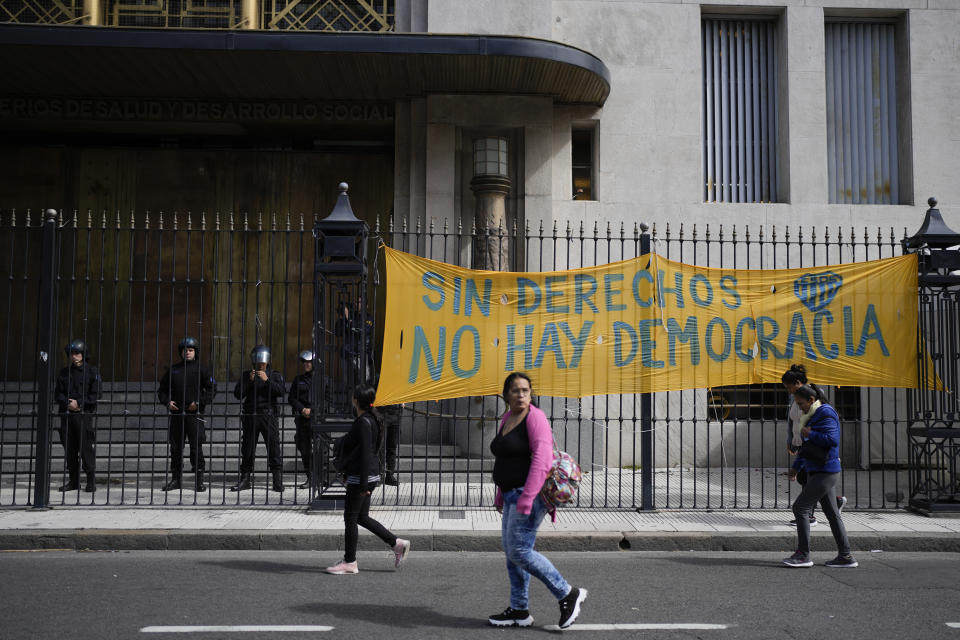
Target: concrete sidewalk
[125, 528]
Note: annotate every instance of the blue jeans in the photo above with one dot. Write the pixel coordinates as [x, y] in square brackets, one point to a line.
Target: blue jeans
[518, 534]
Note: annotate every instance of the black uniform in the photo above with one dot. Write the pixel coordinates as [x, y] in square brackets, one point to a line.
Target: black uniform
[259, 417]
[77, 432]
[185, 383]
[299, 399]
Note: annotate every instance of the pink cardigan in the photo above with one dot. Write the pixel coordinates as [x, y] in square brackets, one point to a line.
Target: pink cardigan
[540, 436]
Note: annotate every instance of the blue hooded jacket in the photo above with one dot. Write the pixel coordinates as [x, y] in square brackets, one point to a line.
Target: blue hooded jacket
[824, 427]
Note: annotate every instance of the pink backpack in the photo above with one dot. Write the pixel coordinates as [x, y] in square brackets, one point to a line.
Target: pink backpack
[562, 480]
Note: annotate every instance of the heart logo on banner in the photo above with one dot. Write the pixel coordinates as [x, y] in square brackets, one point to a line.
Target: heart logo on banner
[817, 290]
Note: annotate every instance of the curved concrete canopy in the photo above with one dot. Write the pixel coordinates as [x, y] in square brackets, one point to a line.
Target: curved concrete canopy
[93, 61]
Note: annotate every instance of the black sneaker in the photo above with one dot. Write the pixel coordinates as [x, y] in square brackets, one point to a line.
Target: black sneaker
[813, 522]
[511, 618]
[842, 562]
[798, 560]
[570, 606]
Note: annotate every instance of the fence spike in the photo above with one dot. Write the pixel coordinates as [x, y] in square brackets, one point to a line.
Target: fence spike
[773, 234]
[13, 217]
[189, 220]
[826, 234]
[231, 220]
[623, 231]
[175, 227]
[720, 233]
[27, 218]
[653, 231]
[273, 221]
[892, 240]
[445, 225]
[288, 221]
[301, 221]
[420, 222]
[681, 232]
[761, 235]
[667, 236]
[514, 227]
[879, 236]
[89, 219]
[746, 232]
[118, 219]
[246, 220]
[555, 228]
[432, 220]
[541, 228]
[706, 234]
[694, 231]
[636, 230]
[203, 220]
[216, 220]
[734, 233]
[75, 222]
[259, 220]
[866, 235]
[160, 220]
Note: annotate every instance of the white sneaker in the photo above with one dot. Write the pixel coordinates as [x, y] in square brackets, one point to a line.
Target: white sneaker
[343, 567]
[841, 503]
[400, 551]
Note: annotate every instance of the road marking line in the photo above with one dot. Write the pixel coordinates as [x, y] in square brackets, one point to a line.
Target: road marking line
[954, 625]
[696, 626]
[236, 627]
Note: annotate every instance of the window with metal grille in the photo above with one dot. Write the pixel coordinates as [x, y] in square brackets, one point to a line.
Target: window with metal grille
[582, 148]
[740, 143]
[862, 158]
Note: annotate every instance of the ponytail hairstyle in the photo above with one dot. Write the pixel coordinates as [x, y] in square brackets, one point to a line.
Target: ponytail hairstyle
[796, 374]
[364, 394]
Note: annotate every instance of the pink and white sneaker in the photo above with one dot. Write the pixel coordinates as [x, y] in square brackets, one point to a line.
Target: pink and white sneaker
[400, 551]
[343, 567]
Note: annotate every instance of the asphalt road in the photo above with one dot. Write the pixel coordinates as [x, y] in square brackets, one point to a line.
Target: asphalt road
[104, 595]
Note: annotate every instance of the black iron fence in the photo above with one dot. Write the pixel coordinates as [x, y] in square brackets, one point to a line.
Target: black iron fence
[131, 286]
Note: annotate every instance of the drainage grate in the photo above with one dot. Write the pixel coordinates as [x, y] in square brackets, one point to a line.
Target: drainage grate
[453, 515]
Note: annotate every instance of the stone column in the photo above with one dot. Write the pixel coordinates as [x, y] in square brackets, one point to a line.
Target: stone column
[490, 186]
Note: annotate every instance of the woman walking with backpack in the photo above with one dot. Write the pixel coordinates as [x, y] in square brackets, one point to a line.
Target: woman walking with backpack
[523, 456]
[362, 469]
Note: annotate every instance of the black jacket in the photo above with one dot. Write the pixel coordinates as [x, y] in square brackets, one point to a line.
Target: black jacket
[299, 397]
[78, 383]
[260, 396]
[187, 382]
[362, 443]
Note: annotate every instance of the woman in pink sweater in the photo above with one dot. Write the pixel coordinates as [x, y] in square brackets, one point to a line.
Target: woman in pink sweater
[523, 456]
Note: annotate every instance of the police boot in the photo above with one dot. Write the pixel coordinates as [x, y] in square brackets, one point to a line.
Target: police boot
[71, 485]
[278, 480]
[306, 483]
[174, 483]
[91, 483]
[243, 483]
[198, 483]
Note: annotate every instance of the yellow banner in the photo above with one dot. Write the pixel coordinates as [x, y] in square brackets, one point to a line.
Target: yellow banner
[644, 325]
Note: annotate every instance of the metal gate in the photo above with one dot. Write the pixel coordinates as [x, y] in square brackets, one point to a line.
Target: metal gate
[132, 285]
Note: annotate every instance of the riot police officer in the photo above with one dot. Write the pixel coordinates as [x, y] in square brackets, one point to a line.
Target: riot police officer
[77, 391]
[259, 389]
[185, 390]
[299, 399]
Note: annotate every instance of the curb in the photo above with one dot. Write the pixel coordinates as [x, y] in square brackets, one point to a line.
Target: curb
[312, 540]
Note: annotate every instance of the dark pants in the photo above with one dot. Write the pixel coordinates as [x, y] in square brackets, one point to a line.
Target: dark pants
[820, 487]
[254, 426]
[356, 511]
[303, 440]
[391, 419]
[79, 439]
[186, 426]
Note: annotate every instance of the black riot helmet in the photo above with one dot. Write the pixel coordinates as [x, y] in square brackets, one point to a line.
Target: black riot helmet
[306, 356]
[76, 346]
[189, 341]
[260, 354]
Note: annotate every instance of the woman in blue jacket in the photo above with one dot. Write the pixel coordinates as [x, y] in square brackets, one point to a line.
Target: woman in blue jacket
[820, 431]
